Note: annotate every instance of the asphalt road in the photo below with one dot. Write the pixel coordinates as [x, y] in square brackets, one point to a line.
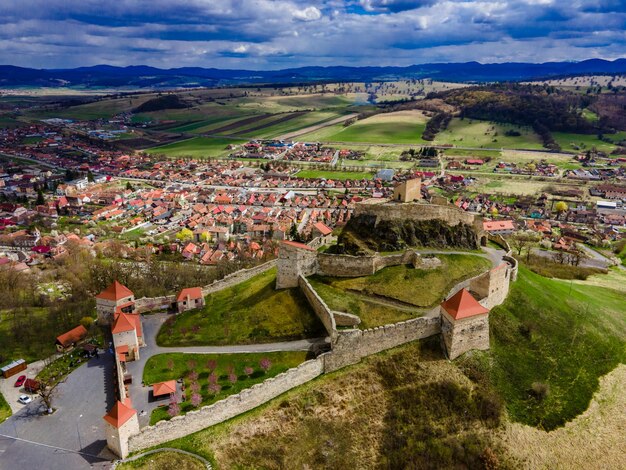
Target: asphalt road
[73, 437]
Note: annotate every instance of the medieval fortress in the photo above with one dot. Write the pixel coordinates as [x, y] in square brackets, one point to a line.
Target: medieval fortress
[461, 320]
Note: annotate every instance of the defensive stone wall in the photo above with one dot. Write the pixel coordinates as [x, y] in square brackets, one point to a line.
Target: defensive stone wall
[350, 346]
[356, 266]
[294, 261]
[320, 308]
[149, 304]
[230, 407]
[237, 277]
[418, 211]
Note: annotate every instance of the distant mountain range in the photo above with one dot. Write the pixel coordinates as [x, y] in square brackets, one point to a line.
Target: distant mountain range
[141, 76]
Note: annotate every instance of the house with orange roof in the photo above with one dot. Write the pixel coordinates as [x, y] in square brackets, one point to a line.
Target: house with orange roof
[189, 298]
[464, 324]
[67, 341]
[113, 298]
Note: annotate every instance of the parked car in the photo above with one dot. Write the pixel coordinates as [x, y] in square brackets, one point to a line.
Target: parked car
[20, 381]
[25, 399]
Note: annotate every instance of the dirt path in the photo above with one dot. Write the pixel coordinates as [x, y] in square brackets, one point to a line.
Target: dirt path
[316, 127]
[595, 439]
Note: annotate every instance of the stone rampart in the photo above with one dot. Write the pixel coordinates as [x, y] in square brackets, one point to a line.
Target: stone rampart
[149, 304]
[357, 266]
[237, 277]
[319, 307]
[230, 407]
[350, 346]
[452, 215]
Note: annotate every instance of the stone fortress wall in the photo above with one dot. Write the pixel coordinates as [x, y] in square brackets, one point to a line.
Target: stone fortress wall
[348, 346]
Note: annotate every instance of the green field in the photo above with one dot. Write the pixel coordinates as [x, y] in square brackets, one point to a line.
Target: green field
[163, 460]
[403, 127]
[16, 342]
[562, 334]
[583, 142]
[196, 147]
[157, 370]
[474, 133]
[399, 292]
[5, 409]
[250, 312]
[335, 175]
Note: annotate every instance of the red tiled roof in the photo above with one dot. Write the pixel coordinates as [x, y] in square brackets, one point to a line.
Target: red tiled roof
[164, 388]
[298, 245]
[72, 336]
[115, 291]
[192, 292]
[463, 305]
[322, 228]
[120, 413]
[498, 225]
[122, 323]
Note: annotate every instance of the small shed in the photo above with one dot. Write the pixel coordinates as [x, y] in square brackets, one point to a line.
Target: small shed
[71, 338]
[164, 389]
[13, 368]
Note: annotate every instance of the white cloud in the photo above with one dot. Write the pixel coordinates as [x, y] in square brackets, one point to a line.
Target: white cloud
[308, 14]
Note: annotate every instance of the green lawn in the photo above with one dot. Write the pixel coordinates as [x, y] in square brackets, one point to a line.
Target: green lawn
[372, 297]
[5, 409]
[250, 312]
[157, 370]
[559, 333]
[164, 460]
[474, 133]
[582, 142]
[196, 147]
[335, 175]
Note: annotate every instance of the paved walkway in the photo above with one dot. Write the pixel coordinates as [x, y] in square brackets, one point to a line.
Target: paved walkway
[71, 438]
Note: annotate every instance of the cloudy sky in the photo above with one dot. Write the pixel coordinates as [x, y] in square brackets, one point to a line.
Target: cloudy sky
[273, 34]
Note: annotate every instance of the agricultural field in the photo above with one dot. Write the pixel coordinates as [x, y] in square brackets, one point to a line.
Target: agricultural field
[399, 292]
[582, 142]
[402, 127]
[250, 312]
[474, 133]
[196, 147]
[513, 185]
[229, 371]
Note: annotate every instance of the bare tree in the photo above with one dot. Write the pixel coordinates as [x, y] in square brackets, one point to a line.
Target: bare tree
[47, 391]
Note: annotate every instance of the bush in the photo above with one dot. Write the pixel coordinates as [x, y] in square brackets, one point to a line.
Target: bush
[539, 390]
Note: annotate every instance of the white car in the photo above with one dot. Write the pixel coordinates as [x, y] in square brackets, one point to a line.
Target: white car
[24, 399]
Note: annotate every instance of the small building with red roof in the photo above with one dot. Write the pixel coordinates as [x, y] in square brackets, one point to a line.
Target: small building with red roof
[464, 324]
[163, 389]
[116, 297]
[189, 298]
[68, 340]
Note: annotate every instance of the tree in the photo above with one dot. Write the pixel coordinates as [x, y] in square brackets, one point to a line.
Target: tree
[47, 391]
[90, 177]
[87, 322]
[129, 186]
[232, 378]
[561, 207]
[184, 235]
[205, 237]
[265, 364]
[174, 409]
[41, 200]
[196, 399]
[214, 389]
[248, 371]
[519, 241]
[211, 364]
[170, 365]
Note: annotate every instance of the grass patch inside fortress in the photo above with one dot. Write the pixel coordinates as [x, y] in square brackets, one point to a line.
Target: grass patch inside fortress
[404, 408]
[249, 312]
[550, 343]
[5, 409]
[157, 370]
[397, 293]
[164, 460]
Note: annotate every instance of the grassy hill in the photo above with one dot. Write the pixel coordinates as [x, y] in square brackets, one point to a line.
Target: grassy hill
[551, 341]
[250, 312]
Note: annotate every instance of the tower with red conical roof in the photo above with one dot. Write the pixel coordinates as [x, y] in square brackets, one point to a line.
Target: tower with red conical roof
[121, 422]
[116, 297]
[464, 324]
